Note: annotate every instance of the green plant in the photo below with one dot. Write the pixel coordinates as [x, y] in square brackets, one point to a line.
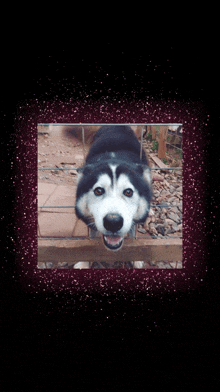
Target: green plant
[149, 138]
[155, 146]
[164, 160]
[180, 153]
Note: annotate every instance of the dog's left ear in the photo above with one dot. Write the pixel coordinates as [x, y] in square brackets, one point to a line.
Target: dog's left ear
[146, 172]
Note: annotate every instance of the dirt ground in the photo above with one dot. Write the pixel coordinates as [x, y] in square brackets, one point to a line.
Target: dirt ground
[59, 148]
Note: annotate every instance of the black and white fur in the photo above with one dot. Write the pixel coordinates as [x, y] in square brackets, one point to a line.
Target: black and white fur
[114, 185]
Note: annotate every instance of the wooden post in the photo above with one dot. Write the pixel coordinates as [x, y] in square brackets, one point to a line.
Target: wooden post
[162, 142]
[149, 131]
[153, 129]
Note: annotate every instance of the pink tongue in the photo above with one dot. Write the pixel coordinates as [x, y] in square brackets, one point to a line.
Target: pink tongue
[112, 240]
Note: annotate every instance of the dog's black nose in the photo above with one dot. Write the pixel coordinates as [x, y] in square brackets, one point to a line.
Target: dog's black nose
[113, 222]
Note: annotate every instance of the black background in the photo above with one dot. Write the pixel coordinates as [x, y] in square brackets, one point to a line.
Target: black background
[55, 342]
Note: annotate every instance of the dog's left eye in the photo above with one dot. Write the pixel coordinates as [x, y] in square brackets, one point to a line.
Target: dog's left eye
[128, 192]
[99, 191]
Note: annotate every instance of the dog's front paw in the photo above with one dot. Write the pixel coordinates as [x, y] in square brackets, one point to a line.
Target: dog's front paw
[132, 232]
[93, 233]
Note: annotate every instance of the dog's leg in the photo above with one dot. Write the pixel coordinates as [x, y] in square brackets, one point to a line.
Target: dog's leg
[93, 233]
[132, 232]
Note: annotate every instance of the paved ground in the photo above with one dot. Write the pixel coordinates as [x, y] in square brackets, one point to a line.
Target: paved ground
[58, 222]
[62, 222]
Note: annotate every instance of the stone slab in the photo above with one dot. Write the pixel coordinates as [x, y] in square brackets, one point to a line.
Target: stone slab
[58, 222]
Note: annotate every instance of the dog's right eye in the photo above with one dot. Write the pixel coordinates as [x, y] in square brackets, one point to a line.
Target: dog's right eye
[99, 191]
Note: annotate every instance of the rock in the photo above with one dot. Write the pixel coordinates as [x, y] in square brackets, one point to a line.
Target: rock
[162, 197]
[180, 227]
[44, 178]
[175, 228]
[70, 266]
[164, 192]
[141, 230]
[173, 209]
[163, 264]
[153, 218]
[168, 222]
[146, 223]
[172, 189]
[138, 264]
[179, 195]
[152, 228]
[62, 264]
[180, 206]
[81, 265]
[180, 215]
[171, 199]
[156, 193]
[166, 183]
[49, 264]
[161, 229]
[41, 265]
[42, 160]
[151, 212]
[173, 216]
[172, 229]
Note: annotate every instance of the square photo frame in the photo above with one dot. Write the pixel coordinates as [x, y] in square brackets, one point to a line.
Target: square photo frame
[67, 242]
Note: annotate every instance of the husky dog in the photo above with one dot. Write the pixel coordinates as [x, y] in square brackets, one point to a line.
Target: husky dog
[114, 185]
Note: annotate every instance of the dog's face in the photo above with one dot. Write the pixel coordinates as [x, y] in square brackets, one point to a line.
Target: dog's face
[113, 200]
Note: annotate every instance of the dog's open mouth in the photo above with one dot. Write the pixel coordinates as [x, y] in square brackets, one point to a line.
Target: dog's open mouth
[113, 242]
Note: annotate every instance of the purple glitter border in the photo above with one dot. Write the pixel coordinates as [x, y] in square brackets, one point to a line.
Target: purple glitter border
[194, 118]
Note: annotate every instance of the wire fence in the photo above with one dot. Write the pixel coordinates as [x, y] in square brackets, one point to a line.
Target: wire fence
[83, 141]
[152, 205]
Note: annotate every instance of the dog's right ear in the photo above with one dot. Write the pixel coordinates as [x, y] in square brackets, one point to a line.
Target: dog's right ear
[81, 171]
